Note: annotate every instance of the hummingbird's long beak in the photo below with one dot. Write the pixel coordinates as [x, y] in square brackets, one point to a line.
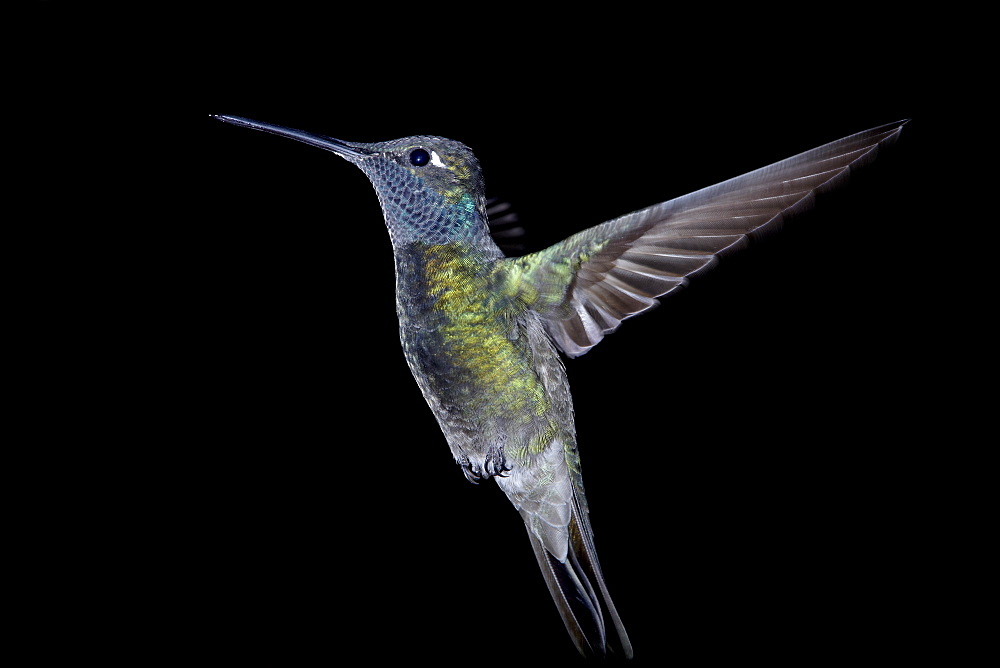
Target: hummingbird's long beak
[343, 149]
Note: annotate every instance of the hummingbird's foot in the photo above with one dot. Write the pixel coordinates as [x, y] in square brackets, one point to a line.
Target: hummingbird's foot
[495, 464]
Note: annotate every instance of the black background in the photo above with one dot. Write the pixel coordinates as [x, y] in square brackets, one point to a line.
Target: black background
[748, 451]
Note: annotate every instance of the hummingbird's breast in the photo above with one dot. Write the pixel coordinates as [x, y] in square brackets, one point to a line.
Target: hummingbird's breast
[481, 359]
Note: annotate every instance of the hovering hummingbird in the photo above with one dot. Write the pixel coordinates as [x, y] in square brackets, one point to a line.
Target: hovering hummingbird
[482, 332]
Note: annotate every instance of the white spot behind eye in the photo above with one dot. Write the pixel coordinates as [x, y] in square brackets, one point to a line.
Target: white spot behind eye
[436, 160]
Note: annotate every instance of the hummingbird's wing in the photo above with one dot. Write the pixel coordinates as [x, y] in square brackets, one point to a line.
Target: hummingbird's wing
[504, 227]
[587, 284]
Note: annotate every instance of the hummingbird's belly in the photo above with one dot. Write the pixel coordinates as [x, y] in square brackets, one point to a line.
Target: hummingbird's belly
[480, 380]
[482, 360]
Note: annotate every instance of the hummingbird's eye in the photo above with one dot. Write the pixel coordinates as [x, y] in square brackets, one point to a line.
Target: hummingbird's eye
[419, 157]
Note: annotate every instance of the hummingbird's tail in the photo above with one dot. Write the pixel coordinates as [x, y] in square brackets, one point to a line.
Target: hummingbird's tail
[578, 589]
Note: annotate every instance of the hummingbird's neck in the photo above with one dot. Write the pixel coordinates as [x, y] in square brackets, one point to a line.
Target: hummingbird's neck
[419, 261]
[425, 273]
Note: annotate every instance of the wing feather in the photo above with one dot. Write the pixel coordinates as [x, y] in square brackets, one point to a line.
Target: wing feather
[587, 284]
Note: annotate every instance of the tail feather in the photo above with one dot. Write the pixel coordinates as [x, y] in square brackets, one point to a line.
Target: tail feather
[578, 589]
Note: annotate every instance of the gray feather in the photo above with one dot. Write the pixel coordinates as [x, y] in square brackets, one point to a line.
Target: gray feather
[624, 264]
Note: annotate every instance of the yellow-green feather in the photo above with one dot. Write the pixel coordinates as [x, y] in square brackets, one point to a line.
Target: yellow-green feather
[478, 333]
[542, 280]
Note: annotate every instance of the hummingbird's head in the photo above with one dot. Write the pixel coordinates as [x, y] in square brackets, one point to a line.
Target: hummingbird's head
[430, 188]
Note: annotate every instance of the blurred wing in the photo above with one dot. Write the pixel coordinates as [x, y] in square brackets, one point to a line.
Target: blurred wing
[587, 284]
[505, 229]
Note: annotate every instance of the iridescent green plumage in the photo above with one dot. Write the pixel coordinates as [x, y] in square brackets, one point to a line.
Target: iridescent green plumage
[469, 341]
[481, 332]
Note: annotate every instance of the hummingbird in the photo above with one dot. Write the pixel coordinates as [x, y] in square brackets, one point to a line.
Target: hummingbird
[482, 332]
